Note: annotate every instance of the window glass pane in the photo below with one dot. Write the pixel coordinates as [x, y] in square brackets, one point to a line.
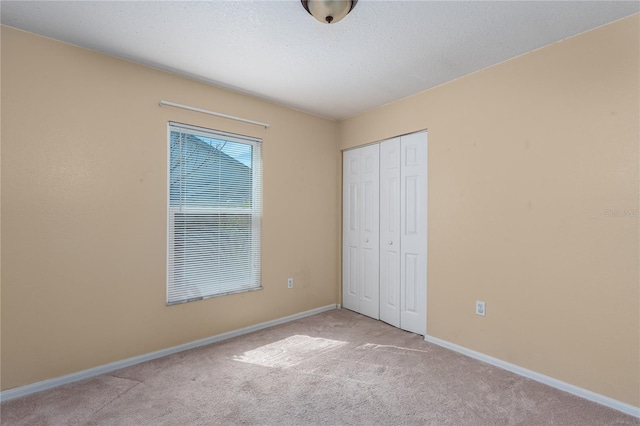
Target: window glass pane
[214, 214]
[213, 253]
[207, 172]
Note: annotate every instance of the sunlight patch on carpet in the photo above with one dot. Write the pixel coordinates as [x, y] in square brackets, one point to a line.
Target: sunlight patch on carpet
[289, 352]
[389, 348]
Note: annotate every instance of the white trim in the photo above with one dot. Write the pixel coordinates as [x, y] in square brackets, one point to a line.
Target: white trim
[549, 381]
[21, 391]
[206, 132]
[217, 114]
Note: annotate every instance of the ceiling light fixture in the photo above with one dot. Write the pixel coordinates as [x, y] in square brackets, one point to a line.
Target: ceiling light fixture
[329, 11]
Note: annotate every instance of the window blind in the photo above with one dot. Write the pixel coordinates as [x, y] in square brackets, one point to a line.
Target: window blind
[215, 210]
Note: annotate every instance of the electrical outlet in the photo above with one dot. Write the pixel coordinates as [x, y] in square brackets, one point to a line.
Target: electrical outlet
[480, 308]
[289, 282]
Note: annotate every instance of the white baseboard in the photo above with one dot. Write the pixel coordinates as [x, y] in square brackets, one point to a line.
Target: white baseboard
[107, 368]
[550, 381]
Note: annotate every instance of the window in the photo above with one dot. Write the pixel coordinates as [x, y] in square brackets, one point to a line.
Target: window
[215, 209]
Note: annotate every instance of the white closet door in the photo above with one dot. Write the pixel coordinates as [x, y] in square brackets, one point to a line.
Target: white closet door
[413, 253]
[390, 231]
[360, 276]
[350, 230]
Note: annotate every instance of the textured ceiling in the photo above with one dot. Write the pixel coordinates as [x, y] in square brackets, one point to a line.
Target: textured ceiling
[381, 52]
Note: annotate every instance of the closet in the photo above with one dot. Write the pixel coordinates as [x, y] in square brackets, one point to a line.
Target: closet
[384, 248]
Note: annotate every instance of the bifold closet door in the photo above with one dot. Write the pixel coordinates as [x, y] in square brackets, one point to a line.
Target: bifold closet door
[360, 247]
[403, 232]
[390, 231]
[384, 263]
[413, 233]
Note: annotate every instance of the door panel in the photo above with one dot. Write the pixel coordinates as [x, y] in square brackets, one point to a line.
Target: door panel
[369, 290]
[413, 205]
[350, 232]
[370, 234]
[352, 223]
[410, 283]
[370, 199]
[411, 211]
[360, 275]
[352, 265]
[390, 231]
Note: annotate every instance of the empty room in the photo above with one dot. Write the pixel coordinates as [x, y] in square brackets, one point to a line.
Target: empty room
[320, 212]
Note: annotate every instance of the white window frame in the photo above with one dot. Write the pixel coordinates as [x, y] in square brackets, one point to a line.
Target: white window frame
[254, 211]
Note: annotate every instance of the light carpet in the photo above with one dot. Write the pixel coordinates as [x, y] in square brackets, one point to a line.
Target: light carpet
[334, 368]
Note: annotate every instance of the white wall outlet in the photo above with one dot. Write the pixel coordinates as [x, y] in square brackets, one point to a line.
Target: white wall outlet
[289, 282]
[480, 308]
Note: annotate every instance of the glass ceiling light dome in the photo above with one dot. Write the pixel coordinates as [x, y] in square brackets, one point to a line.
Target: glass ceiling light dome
[329, 11]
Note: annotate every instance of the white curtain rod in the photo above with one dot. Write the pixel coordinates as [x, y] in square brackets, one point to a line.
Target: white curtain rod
[217, 114]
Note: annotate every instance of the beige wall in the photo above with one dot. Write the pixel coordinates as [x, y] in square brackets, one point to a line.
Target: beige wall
[84, 157]
[525, 160]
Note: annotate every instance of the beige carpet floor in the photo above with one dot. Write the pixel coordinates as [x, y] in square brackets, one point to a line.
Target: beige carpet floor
[335, 368]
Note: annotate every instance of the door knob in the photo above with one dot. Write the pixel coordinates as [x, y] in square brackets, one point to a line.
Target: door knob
[366, 240]
[390, 243]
